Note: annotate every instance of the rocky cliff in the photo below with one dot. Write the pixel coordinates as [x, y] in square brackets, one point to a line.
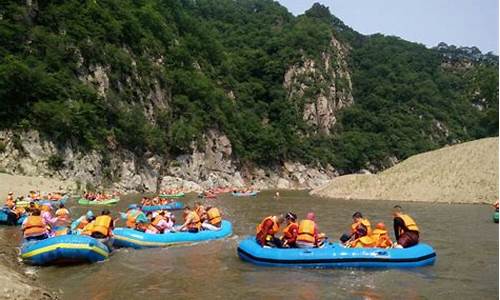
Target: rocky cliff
[321, 87]
[28, 154]
[141, 95]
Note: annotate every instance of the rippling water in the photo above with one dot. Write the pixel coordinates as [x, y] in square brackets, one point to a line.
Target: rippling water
[464, 237]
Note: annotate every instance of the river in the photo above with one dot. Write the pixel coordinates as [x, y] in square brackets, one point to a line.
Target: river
[464, 237]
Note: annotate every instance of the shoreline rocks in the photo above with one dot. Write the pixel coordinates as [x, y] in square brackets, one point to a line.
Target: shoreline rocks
[29, 154]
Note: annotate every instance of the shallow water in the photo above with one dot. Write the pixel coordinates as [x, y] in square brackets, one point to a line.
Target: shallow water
[464, 237]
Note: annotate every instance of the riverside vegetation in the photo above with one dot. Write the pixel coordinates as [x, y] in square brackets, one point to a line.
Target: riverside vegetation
[154, 76]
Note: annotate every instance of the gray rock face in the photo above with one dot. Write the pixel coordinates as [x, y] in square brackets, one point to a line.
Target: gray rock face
[321, 87]
[27, 153]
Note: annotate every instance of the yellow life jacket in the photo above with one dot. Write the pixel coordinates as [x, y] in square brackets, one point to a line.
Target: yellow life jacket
[87, 229]
[214, 216]
[195, 220]
[102, 225]
[306, 231]
[409, 222]
[275, 228]
[364, 242]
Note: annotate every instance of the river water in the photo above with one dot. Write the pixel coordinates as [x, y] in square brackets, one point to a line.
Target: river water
[464, 237]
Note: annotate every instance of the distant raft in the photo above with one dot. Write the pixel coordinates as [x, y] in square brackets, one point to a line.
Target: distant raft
[170, 206]
[83, 201]
[64, 249]
[495, 217]
[334, 255]
[7, 217]
[54, 203]
[126, 237]
[249, 194]
[178, 195]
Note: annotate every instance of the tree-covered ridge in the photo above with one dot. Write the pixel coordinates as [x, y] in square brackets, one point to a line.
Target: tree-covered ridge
[221, 64]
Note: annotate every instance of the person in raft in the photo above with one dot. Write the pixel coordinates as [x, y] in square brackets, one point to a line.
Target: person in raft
[199, 209]
[133, 216]
[213, 219]
[160, 223]
[34, 227]
[102, 226]
[192, 221]
[495, 205]
[308, 235]
[290, 232]
[46, 214]
[267, 229]
[361, 231]
[9, 202]
[405, 229]
[63, 216]
[381, 237]
[81, 222]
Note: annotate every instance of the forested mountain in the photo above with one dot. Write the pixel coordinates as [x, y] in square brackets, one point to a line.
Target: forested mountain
[160, 77]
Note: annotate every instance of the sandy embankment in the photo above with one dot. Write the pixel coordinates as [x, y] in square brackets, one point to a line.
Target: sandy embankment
[463, 173]
[13, 283]
[21, 185]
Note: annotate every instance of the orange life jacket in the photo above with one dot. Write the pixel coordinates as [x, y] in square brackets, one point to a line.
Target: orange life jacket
[195, 220]
[381, 238]
[287, 231]
[153, 226]
[275, 228]
[19, 211]
[200, 211]
[214, 216]
[409, 223]
[102, 224]
[131, 217]
[34, 226]
[83, 223]
[306, 231]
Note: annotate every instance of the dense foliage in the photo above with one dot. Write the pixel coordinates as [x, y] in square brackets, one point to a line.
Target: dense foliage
[222, 63]
[407, 103]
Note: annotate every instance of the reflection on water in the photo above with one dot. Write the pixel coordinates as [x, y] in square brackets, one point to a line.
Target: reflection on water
[466, 268]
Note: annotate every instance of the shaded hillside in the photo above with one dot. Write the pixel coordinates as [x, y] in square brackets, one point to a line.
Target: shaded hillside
[156, 78]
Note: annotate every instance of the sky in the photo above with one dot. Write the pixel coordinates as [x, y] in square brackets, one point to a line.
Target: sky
[457, 22]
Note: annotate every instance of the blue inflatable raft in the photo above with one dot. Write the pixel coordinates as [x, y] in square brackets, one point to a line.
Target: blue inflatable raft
[126, 237]
[334, 255]
[64, 249]
[55, 203]
[170, 206]
[9, 218]
[250, 194]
